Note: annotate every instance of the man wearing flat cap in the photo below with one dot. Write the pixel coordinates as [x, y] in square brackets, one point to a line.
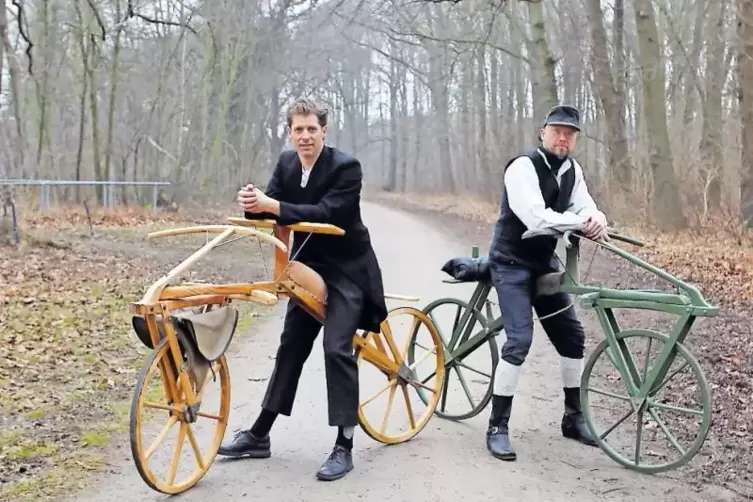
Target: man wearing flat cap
[543, 187]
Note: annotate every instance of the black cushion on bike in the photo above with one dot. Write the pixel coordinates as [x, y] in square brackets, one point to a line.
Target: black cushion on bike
[468, 269]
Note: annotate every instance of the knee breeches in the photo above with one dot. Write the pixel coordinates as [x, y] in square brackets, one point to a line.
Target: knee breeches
[344, 305]
[515, 286]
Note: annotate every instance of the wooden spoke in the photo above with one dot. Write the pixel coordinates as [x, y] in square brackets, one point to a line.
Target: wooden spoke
[387, 334]
[610, 394]
[465, 386]
[656, 446]
[616, 424]
[209, 415]
[390, 385]
[165, 407]
[458, 324]
[176, 455]
[412, 336]
[428, 354]
[671, 437]
[161, 437]
[408, 407]
[679, 409]
[389, 409]
[638, 437]
[463, 365]
[194, 446]
[421, 385]
[410, 422]
[669, 377]
[173, 482]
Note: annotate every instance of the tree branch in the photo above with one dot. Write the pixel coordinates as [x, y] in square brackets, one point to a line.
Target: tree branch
[98, 18]
[22, 31]
[133, 13]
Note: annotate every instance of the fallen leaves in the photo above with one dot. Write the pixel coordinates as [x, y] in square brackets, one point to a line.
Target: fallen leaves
[63, 316]
[68, 357]
[718, 263]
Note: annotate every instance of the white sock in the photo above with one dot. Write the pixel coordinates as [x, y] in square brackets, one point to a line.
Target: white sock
[506, 378]
[571, 371]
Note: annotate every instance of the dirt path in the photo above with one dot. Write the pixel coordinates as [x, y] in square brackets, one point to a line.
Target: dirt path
[446, 461]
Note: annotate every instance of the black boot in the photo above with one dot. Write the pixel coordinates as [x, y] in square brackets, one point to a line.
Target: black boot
[573, 422]
[245, 444]
[497, 439]
[338, 464]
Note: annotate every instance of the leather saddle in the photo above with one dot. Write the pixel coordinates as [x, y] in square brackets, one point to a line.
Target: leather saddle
[203, 337]
[306, 288]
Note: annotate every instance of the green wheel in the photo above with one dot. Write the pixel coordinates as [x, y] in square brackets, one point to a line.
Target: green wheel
[469, 380]
[660, 436]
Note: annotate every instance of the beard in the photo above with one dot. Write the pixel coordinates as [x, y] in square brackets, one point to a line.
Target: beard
[561, 152]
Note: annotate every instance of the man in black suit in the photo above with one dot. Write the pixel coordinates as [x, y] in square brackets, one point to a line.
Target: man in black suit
[317, 183]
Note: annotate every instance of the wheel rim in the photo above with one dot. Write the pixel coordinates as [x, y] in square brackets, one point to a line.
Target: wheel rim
[392, 400]
[653, 437]
[184, 462]
[468, 383]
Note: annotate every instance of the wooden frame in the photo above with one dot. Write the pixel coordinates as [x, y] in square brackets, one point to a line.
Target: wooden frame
[292, 280]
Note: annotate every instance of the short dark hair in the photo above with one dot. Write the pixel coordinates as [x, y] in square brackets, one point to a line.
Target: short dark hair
[307, 106]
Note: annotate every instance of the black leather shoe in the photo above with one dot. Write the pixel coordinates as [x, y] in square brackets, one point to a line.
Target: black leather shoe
[497, 435]
[498, 443]
[245, 444]
[573, 422]
[338, 464]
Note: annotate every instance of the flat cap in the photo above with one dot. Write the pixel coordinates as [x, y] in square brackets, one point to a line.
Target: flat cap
[565, 115]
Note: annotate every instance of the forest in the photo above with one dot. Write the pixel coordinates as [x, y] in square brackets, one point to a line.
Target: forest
[432, 96]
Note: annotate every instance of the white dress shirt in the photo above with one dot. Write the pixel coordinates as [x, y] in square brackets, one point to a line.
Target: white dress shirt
[525, 199]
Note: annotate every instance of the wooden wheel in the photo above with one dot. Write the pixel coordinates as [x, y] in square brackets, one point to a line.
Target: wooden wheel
[399, 420]
[205, 424]
[660, 432]
[473, 373]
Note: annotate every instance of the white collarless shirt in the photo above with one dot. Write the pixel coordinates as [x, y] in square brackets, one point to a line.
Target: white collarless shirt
[305, 173]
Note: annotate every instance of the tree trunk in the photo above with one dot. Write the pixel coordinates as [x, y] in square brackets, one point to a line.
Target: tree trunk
[667, 206]
[745, 27]
[619, 158]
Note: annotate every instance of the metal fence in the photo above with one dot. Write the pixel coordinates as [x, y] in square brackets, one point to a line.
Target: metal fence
[108, 194]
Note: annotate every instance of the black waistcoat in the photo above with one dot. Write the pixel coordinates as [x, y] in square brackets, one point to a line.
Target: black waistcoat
[537, 253]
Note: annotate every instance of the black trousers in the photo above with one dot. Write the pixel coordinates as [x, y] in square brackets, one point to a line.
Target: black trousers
[515, 286]
[344, 304]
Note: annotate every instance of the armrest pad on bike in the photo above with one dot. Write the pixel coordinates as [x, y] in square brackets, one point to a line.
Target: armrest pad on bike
[468, 269]
[589, 299]
[555, 231]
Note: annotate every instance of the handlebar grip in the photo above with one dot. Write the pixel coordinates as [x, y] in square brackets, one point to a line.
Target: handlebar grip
[629, 240]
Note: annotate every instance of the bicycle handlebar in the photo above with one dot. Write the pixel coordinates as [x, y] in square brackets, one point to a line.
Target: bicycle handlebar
[624, 238]
[566, 231]
[308, 227]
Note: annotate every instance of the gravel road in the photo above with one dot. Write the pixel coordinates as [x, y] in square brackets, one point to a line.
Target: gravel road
[446, 462]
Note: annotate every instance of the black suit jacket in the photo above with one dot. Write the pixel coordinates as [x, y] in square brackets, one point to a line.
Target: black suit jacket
[332, 195]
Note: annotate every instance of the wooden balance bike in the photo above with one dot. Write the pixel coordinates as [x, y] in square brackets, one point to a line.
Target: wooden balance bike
[653, 386]
[189, 327]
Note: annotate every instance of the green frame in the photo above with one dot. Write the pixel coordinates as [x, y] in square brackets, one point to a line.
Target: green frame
[687, 302]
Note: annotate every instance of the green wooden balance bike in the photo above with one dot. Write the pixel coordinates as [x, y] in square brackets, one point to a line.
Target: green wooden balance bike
[639, 369]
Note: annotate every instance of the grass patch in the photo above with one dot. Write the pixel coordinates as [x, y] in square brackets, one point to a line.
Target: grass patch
[68, 357]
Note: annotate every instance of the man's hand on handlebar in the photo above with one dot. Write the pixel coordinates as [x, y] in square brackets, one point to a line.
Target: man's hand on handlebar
[596, 228]
[253, 200]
